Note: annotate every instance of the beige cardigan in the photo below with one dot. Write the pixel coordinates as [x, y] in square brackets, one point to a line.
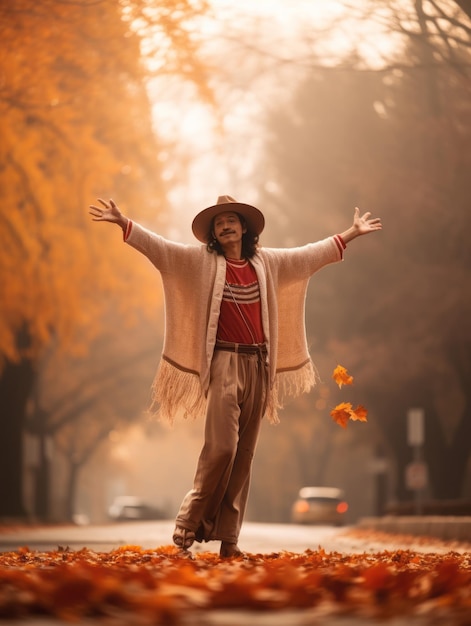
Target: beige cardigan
[193, 282]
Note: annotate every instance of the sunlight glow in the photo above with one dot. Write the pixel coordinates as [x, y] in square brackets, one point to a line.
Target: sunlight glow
[260, 50]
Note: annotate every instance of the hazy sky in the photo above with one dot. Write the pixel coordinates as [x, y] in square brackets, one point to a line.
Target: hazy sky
[247, 44]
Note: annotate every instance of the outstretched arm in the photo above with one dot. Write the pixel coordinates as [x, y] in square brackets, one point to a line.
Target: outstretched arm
[362, 225]
[109, 212]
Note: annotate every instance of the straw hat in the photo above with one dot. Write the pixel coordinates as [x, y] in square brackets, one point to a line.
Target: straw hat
[202, 222]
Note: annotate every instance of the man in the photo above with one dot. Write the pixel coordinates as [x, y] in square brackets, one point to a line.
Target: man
[234, 346]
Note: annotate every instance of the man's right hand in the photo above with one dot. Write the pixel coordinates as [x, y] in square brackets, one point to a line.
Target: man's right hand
[109, 212]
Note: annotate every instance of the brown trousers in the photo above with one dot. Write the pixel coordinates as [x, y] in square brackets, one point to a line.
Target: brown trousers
[215, 507]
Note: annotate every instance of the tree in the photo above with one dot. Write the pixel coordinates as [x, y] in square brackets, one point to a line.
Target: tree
[435, 110]
[465, 5]
[76, 123]
[381, 140]
[78, 403]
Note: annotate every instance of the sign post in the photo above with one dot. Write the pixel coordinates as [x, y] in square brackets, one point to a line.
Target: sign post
[416, 471]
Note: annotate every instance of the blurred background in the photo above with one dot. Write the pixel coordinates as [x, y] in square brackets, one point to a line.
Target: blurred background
[305, 109]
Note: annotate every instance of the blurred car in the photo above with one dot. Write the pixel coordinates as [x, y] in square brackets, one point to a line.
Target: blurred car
[131, 508]
[319, 505]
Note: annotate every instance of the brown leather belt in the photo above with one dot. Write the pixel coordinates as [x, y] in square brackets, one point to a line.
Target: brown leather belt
[242, 348]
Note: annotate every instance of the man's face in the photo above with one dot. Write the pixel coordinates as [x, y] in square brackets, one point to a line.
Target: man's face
[227, 228]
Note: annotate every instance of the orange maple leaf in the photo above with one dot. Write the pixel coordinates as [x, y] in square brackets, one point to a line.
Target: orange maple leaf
[344, 412]
[341, 376]
[359, 414]
[341, 413]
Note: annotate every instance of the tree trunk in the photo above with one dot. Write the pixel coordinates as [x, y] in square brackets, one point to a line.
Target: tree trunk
[431, 91]
[71, 493]
[76, 462]
[465, 5]
[16, 382]
[42, 483]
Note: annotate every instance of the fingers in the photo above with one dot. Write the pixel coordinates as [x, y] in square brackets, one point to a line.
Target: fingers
[108, 212]
[97, 211]
[367, 217]
[107, 205]
[366, 222]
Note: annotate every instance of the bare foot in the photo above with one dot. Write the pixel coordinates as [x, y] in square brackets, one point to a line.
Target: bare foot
[229, 550]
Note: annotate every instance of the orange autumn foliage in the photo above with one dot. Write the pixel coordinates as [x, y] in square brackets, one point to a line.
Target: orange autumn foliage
[76, 123]
[160, 586]
[345, 411]
[341, 376]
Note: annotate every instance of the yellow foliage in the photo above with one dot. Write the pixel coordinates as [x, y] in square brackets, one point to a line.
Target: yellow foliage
[75, 124]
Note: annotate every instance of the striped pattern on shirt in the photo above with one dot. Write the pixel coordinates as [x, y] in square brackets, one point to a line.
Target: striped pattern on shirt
[240, 319]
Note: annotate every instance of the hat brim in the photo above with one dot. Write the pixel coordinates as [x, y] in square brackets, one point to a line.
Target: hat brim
[202, 222]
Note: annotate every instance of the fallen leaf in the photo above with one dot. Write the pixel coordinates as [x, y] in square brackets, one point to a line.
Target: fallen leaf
[161, 587]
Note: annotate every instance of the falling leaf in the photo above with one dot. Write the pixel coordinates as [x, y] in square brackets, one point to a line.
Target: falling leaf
[341, 376]
[344, 412]
[359, 414]
[341, 414]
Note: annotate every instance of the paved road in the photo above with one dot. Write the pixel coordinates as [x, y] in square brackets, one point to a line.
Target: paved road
[255, 538]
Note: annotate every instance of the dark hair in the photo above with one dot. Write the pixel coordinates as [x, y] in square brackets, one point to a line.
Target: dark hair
[249, 240]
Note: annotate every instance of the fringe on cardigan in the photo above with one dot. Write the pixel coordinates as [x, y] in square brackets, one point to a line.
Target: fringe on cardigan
[290, 384]
[176, 391]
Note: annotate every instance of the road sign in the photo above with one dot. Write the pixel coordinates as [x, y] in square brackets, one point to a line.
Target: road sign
[416, 475]
[415, 427]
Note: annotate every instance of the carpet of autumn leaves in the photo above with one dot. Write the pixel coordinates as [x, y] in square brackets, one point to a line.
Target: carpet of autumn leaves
[160, 586]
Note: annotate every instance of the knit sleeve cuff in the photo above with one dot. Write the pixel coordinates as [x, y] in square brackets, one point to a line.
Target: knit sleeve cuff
[127, 231]
[341, 245]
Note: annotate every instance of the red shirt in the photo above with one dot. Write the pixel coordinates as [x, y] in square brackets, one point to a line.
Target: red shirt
[240, 319]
